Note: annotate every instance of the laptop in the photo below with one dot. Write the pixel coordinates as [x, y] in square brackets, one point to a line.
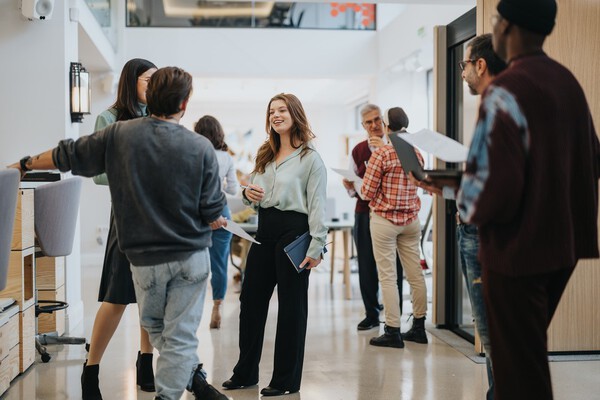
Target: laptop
[410, 162]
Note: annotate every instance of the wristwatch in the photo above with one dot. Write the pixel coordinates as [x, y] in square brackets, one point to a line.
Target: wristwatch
[23, 162]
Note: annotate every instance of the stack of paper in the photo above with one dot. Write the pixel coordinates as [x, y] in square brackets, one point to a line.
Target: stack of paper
[438, 145]
[352, 177]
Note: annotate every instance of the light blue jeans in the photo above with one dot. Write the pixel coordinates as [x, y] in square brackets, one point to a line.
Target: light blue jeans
[219, 257]
[468, 246]
[170, 297]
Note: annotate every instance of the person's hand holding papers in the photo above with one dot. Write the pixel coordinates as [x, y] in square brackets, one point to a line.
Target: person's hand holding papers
[218, 223]
[350, 181]
[349, 185]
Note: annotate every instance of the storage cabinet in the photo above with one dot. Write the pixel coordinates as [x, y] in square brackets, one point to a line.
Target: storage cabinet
[50, 284]
[26, 338]
[9, 346]
[53, 322]
[17, 334]
[23, 231]
[20, 284]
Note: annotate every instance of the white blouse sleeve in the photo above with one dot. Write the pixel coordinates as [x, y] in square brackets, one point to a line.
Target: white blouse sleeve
[231, 182]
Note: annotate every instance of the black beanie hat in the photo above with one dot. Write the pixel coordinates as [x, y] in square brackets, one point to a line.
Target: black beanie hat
[395, 118]
[534, 15]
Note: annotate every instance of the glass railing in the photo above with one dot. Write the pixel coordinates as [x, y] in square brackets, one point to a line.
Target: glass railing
[105, 14]
[101, 11]
[250, 14]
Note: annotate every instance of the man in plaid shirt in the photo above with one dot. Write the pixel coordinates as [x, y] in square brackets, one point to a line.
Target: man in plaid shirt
[395, 227]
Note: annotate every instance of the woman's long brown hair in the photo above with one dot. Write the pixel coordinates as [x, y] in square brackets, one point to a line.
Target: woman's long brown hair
[300, 136]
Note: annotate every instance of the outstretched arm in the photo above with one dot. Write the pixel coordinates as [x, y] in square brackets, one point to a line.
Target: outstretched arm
[41, 161]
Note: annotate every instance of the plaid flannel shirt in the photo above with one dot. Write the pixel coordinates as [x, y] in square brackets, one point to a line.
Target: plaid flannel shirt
[391, 194]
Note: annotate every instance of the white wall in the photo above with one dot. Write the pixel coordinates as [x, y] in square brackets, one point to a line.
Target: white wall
[255, 53]
[407, 90]
[95, 200]
[413, 31]
[35, 93]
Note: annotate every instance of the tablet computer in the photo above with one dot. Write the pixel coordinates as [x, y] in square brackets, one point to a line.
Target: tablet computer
[410, 162]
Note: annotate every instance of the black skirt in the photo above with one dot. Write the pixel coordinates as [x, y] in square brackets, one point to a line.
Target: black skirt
[116, 285]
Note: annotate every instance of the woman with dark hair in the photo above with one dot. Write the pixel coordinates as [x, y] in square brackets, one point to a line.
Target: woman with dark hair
[116, 284]
[210, 128]
[288, 189]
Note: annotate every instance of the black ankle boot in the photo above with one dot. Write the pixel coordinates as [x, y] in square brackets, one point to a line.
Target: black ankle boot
[417, 332]
[89, 382]
[390, 338]
[145, 372]
[202, 389]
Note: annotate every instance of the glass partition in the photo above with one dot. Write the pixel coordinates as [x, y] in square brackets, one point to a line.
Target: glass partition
[250, 14]
[101, 11]
[461, 111]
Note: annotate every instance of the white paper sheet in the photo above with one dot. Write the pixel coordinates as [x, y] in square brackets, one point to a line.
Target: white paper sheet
[347, 174]
[234, 228]
[358, 187]
[438, 145]
[352, 177]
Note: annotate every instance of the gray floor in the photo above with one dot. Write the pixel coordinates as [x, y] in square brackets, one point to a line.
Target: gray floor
[339, 362]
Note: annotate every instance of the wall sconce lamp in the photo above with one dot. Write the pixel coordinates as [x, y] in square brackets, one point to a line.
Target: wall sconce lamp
[81, 93]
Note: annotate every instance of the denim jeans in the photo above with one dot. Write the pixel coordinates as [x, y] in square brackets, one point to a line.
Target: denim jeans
[468, 245]
[170, 298]
[219, 256]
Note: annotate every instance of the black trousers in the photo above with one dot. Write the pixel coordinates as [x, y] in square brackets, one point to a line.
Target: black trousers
[367, 267]
[519, 311]
[267, 265]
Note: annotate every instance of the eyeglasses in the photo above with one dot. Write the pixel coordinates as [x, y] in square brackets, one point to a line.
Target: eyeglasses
[462, 64]
[371, 122]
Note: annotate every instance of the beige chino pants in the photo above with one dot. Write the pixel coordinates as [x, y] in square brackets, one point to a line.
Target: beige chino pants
[388, 239]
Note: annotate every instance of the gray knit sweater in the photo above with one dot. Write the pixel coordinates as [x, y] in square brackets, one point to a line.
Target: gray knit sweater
[164, 185]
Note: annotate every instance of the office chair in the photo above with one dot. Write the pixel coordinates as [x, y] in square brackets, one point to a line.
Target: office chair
[9, 187]
[56, 208]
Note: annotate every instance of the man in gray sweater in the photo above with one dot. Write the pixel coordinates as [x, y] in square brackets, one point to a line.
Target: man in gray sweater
[166, 195]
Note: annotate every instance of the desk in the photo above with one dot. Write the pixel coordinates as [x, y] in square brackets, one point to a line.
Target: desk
[345, 226]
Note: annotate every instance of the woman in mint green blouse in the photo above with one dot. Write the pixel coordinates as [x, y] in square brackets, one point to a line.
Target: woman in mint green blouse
[116, 284]
[288, 189]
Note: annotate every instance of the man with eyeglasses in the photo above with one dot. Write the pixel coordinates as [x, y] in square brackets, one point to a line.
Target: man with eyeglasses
[481, 64]
[478, 69]
[531, 187]
[367, 268]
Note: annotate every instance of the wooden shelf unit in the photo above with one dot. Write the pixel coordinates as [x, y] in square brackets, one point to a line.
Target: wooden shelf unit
[9, 346]
[21, 281]
[50, 284]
